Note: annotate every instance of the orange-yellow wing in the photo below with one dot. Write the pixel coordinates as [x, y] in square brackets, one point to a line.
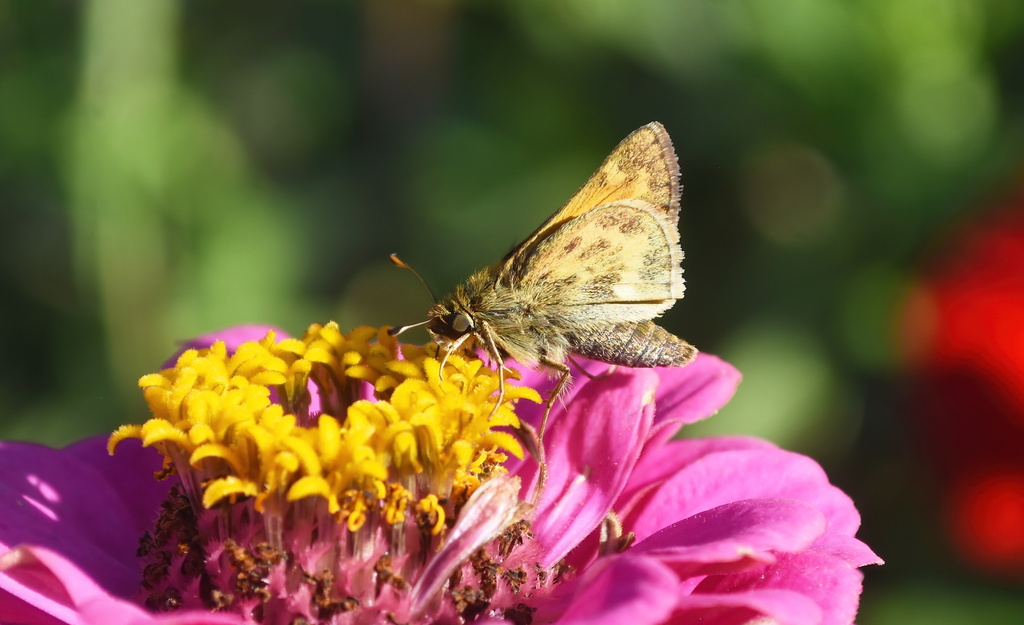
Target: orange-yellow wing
[619, 261]
[642, 167]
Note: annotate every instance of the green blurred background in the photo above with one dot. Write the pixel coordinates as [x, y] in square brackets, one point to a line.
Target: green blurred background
[168, 168]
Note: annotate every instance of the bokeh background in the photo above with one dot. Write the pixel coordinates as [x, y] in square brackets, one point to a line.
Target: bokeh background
[852, 214]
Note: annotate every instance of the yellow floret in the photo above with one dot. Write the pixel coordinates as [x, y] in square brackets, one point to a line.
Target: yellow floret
[215, 417]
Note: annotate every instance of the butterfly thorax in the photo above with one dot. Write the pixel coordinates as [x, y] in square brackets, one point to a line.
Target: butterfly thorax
[506, 321]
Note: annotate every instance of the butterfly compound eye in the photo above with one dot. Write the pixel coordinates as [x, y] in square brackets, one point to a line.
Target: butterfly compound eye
[460, 323]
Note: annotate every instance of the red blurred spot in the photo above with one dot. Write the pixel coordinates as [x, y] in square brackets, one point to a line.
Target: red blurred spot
[987, 518]
[970, 309]
[962, 335]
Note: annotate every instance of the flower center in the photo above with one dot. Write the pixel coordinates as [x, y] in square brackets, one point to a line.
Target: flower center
[335, 478]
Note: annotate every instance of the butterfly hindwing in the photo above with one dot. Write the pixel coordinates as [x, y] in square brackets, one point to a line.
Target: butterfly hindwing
[620, 260]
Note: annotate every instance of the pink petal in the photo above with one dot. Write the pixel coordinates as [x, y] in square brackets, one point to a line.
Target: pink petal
[723, 477]
[621, 589]
[130, 470]
[55, 499]
[490, 509]
[734, 536]
[691, 393]
[685, 394]
[29, 593]
[659, 463]
[831, 583]
[528, 412]
[774, 606]
[100, 613]
[656, 465]
[232, 336]
[40, 587]
[544, 382]
[846, 548]
[591, 449]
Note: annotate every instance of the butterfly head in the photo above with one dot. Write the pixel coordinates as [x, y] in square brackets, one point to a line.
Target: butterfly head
[449, 323]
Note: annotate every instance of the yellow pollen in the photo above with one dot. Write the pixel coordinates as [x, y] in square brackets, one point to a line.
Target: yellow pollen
[357, 513]
[430, 508]
[396, 505]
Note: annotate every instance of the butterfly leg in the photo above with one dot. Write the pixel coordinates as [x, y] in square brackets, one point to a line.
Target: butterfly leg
[580, 368]
[563, 380]
[542, 465]
[501, 387]
[449, 349]
[593, 376]
[525, 433]
[486, 337]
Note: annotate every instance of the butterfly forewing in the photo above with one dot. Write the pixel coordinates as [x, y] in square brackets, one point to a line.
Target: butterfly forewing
[642, 167]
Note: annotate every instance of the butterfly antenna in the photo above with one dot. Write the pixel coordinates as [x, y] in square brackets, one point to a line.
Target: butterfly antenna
[398, 262]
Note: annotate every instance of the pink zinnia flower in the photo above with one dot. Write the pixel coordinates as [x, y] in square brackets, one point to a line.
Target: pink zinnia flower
[413, 509]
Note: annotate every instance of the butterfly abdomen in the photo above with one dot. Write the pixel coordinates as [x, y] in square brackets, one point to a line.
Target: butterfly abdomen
[643, 344]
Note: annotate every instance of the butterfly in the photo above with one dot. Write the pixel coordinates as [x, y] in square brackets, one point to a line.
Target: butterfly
[588, 281]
